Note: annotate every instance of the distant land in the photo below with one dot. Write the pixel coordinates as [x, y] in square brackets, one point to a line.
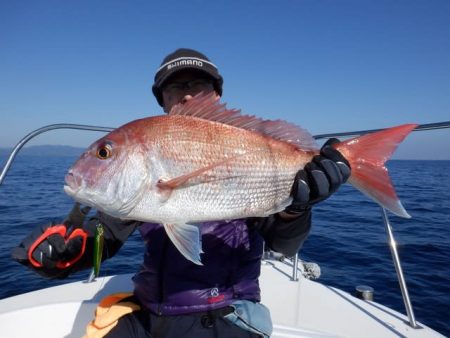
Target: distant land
[45, 150]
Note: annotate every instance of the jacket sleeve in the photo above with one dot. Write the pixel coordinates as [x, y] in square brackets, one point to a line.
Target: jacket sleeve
[284, 236]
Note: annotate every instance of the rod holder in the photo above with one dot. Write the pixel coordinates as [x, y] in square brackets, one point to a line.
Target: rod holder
[295, 268]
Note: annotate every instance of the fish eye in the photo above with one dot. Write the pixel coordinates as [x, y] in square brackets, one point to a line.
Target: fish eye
[104, 151]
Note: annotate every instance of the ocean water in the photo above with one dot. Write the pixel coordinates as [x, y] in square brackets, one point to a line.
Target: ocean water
[348, 238]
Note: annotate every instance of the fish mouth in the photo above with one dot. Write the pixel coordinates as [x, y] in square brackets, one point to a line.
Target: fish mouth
[73, 183]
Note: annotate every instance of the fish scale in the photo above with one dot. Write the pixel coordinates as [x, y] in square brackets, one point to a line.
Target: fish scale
[252, 183]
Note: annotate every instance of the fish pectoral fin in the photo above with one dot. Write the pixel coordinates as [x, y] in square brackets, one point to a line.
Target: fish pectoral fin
[187, 239]
[182, 180]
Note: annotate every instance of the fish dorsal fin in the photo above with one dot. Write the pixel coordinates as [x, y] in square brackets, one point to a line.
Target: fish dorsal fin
[208, 107]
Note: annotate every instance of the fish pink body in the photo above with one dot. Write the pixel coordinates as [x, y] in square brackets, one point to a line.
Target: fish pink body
[203, 162]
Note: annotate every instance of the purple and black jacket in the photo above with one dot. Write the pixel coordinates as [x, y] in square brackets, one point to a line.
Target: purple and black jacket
[169, 284]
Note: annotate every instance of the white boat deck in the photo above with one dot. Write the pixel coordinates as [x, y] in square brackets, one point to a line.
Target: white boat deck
[306, 308]
[301, 308]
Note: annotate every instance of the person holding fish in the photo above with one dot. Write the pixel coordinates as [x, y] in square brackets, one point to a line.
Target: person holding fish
[203, 186]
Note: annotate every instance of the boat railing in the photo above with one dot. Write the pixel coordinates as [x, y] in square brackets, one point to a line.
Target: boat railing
[391, 239]
[42, 130]
[390, 234]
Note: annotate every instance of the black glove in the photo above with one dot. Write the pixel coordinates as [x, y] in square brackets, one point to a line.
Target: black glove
[53, 246]
[320, 178]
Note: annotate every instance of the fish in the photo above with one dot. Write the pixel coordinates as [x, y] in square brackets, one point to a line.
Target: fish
[205, 162]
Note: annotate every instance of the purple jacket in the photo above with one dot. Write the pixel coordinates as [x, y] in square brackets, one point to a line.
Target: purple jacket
[169, 284]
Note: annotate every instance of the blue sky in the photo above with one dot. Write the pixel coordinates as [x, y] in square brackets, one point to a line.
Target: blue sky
[328, 66]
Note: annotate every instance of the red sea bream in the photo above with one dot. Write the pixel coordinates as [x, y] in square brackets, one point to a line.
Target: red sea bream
[203, 162]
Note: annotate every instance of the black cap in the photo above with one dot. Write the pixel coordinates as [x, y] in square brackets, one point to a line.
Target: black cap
[183, 59]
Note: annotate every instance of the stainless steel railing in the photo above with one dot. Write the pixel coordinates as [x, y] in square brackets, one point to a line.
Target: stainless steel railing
[391, 239]
[392, 242]
[420, 127]
[399, 270]
[28, 137]
[42, 130]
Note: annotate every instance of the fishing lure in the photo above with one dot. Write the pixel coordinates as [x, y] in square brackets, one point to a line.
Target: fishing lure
[98, 251]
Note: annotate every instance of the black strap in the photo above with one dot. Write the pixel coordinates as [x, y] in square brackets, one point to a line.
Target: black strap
[209, 318]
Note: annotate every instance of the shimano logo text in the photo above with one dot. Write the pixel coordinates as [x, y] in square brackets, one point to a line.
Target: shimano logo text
[188, 62]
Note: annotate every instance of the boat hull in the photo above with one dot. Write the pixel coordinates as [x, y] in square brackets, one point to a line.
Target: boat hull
[301, 308]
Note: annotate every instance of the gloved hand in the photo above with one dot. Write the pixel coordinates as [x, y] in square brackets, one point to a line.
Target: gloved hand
[54, 246]
[320, 178]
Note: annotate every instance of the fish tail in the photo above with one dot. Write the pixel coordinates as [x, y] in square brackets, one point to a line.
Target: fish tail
[367, 155]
